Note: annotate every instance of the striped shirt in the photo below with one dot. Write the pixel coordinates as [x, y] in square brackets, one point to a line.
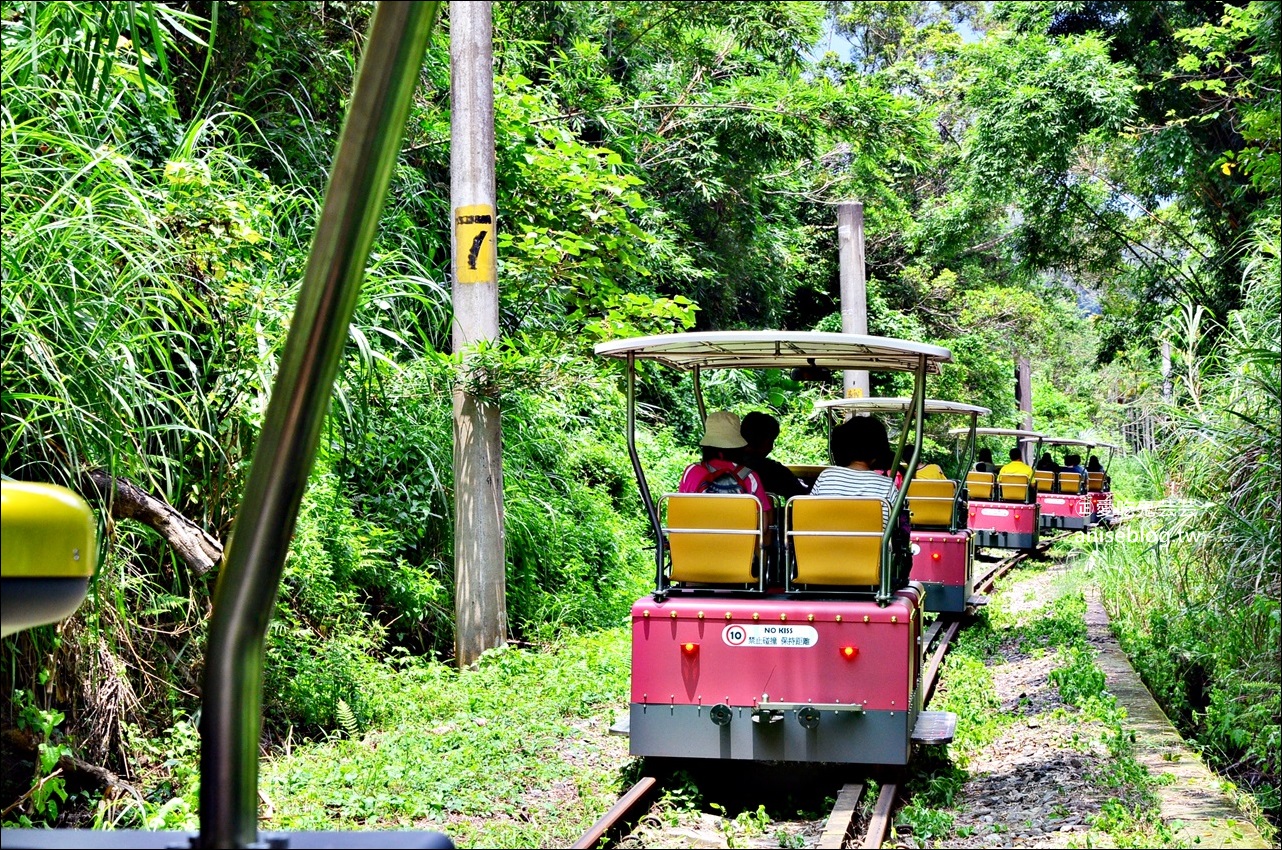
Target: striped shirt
[858, 483]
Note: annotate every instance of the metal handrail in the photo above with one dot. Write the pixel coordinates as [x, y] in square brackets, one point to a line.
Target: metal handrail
[231, 717]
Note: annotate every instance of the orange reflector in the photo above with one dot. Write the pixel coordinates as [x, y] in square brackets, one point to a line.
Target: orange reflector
[848, 652]
[689, 648]
[1016, 514]
[934, 556]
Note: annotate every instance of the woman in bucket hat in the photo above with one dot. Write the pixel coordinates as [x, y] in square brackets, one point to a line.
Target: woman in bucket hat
[721, 469]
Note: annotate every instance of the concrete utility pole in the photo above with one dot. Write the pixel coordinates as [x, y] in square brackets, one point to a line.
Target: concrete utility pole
[854, 289]
[480, 560]
[1024, 396]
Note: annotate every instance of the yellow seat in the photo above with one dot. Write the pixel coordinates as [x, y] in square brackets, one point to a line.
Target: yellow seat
[714, 538]
[1070, 482]
[1095, 482]
[980, 485]
[1013, 488]
[1045, 480]
[930, 502]
[835, 540]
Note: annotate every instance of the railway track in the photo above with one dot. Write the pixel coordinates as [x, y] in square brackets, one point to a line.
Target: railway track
[843, 822]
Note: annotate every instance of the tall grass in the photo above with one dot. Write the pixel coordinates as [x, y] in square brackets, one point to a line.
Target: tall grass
[1198, 604]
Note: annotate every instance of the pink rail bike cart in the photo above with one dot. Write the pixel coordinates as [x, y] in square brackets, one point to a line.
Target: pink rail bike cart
[1003, 514]
[1071, 500]
[817, 660]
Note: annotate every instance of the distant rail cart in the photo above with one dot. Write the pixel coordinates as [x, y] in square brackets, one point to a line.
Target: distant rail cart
[1002, 510]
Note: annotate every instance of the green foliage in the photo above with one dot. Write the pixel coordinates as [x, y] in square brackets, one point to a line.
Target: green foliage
[481, 750]
[48, 787]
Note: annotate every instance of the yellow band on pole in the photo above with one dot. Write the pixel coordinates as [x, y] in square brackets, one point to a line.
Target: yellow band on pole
[474, 247]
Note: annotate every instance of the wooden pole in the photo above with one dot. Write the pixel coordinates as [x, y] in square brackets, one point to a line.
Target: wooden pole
[480, 586]
[854, 289]
[1024, 395]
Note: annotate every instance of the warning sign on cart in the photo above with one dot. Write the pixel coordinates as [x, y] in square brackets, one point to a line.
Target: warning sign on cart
[783, 637]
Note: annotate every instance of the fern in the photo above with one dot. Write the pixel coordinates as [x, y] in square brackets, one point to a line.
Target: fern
[347, 719]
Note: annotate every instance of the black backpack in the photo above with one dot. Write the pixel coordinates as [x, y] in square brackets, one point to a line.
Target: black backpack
[725, 481]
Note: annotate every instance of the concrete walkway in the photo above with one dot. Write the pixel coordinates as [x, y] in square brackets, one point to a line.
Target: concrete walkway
[1206, 817]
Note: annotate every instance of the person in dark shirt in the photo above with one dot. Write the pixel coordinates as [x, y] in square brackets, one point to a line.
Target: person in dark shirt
[1047, 463]
[760, 430]
[984, 461]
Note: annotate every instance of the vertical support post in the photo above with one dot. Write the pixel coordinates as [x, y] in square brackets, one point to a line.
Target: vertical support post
[480, 586]
[854, 288]
[917, 411]
[1024, 395]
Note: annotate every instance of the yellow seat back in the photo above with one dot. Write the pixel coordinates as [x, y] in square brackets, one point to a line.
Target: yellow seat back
[930, 502]
[1013, 488]
[980, 485]
[1070, 482]
[836, 540]
[1095, 482]
[713, 538]
[1045, 480]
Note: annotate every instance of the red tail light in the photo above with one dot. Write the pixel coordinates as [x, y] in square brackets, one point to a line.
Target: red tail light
[690, 648]
[849, 652]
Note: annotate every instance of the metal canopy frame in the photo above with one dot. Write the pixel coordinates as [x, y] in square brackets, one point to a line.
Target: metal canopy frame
[896, 405]
[1020, 434]
[695, 352]
[1087, 444]
[1001, 432]
[778, 350]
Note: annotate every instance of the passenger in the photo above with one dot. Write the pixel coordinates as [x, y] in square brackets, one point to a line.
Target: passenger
[984, 461]
[1073, 463]
[722, 469]
[859, 446]
[1047, 463]
[1093, 465]
[760, 431]
[930, 471]
[1017, 466]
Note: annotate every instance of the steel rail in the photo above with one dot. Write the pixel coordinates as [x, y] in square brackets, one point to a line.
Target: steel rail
[880, 821]
[636, 799]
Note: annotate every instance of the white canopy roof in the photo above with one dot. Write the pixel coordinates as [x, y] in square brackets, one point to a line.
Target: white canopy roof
[778, 350]
[999, 432]
[898, 405]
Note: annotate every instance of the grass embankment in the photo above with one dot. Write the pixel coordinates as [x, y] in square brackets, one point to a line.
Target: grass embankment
[1204, 634]
[1031, 704]
[512, 754]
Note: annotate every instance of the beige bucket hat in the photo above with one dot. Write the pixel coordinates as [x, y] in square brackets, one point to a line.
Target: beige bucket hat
[721, 431]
